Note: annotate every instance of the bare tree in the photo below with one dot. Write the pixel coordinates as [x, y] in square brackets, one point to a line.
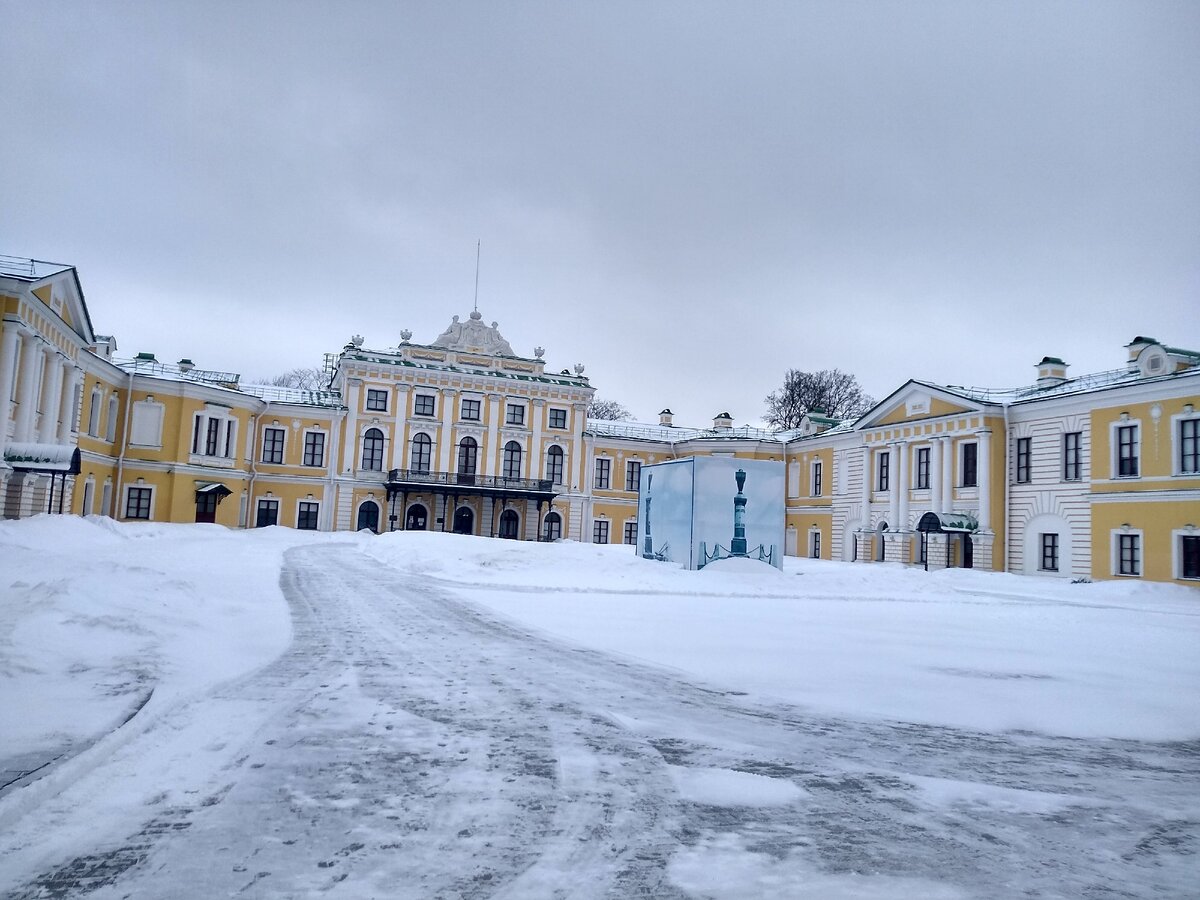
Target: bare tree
[307, 378]
[609, 410]
[831, 392]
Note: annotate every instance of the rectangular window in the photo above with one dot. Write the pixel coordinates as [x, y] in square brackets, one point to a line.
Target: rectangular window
[212, 439]
[558, 418]
[1023, 450]
[815, 550]
[600, 531]
[314, 448]
[306, 517]
[273, 445]
[1127, 451]
[376, 400]
[1072, 456]
[94, 416]
[1189, 552]
[137, 503]
[1130, 549]
[633, 475]
[268, 513]
[970, 465]
[603, 474]
[1189, 447]
[1049, 553]
[816, 479]
[883, 476]
[423, 405]
[515, 415]
[922, 468]
[471, 410]
[631, 532]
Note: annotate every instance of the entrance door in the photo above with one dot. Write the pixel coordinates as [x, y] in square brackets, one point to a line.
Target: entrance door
[553, 527]
[968, 552]
[468, 459]
[464, 520]
[510, 524]
[880, 549]
[368, 516]
[206, 507]
[417, 518]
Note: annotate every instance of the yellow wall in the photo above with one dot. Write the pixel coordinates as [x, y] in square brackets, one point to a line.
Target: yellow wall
[937, 407]
[1157, 440]
[1155, 521]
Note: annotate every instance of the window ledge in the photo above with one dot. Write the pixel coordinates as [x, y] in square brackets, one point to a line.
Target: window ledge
[220, 462]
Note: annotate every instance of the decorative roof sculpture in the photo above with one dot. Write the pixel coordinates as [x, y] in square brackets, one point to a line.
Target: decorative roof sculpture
[474, 336]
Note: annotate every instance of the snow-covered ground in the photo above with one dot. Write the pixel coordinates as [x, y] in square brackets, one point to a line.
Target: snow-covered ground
[188, 711]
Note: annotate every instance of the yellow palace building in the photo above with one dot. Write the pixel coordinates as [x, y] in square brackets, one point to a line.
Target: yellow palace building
[1093, 476]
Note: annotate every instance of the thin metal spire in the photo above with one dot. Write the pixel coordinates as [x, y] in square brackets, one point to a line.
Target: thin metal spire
[477, 243]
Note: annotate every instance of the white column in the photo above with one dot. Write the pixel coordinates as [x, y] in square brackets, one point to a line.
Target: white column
[893, 488]
[935, 475]
[902, 451]
[67, 403]
[9, 345]
[984, 477]
[30, 354]
[947, 475]
[353, 388]
[53, 394]
[445, 433]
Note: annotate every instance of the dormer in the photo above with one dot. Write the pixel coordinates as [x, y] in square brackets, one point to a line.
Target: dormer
[722, 422]
[1051, 371]
[1149, 357]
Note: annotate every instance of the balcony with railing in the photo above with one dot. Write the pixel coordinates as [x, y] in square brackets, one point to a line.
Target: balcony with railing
[467, 482]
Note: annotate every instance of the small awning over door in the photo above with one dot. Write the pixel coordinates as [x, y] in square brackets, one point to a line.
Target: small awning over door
[942, 523]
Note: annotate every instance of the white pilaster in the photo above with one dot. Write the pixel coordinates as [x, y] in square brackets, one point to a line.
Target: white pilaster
[866, 486]
[349, 459]
[490, 455]
[537, 455]
[445, 433]
[400, 432]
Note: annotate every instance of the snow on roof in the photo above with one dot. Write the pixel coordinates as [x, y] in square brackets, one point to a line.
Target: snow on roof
[30, 269]
[673, 434]
[1097, 381]
[299, 396]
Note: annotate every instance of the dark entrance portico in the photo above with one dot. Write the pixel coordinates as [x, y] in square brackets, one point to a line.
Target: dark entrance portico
[450, 491]
[956, 528]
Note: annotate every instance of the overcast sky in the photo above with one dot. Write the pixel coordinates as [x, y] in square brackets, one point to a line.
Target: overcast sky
[688, 198]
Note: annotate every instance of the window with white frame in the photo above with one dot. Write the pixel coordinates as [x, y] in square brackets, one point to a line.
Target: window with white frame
[314, 448]
[815, 479]
[554, 464]
[514, 414]
[1072, 456]
[1049, 562]
[1128, 451]
[1189, 446]
[214, 434]
[89, 495]
[376, 400]
[631, 531]
[307, 515]
[273, 445]
[814, 544]
[603, 474]
[110, 434]
[423, 405]
[93, 426]
[633, 475]
[922, 479]
[1189, 555]
[558, 418]
[512, 460]
[1024, 445]
[372, 450]
[882, 470]
[1128, 553]
[970, 465]
[600, 531]
[422, 453]
[137, 502]
[471, 409]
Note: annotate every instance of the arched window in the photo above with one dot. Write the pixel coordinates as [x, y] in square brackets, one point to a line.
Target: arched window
[552, 527]
[554, 464]
[512, 460]
[372, 455]
[422, 452]
[468, 458]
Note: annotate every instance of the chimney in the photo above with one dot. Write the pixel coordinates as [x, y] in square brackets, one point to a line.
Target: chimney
[664, 417]
[722, 422]
[1051, 371]
[185, 365]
